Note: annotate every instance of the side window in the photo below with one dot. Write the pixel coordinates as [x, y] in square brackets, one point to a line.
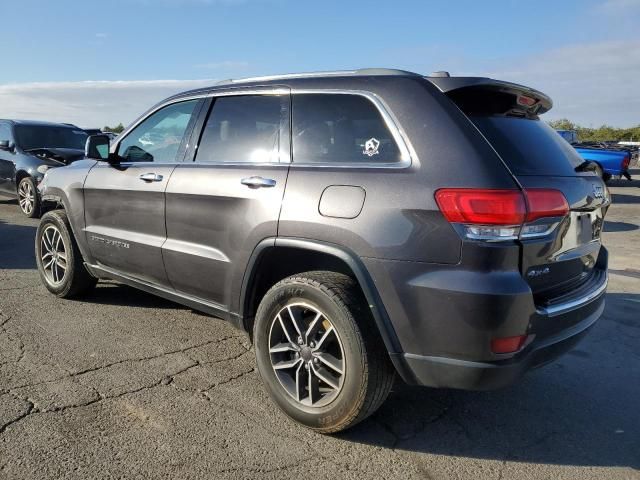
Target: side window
[340, 128]
[5, 132]
[158, 137]
[247, 129]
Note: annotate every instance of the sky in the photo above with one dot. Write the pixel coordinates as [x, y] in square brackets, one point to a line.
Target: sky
[97, 63]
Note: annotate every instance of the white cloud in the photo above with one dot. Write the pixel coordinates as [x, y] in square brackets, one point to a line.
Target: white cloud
[90, 103]
[102, 35]
[591, 84]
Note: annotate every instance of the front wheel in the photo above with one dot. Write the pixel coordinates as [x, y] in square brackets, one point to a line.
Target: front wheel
[319, 353]
[59, 259]
[28, 198]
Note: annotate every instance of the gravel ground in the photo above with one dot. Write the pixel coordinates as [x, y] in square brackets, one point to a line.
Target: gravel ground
[125, 385]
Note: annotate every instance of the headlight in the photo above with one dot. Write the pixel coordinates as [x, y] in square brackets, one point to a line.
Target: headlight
[43, 168]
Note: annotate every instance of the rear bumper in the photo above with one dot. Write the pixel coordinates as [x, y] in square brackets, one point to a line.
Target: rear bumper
[468, 375]
[449, 315]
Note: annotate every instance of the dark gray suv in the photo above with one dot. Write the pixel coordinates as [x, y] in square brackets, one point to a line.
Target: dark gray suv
[356, 224]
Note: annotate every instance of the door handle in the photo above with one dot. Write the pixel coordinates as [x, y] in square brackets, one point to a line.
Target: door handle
[258, 182]
[151, 177]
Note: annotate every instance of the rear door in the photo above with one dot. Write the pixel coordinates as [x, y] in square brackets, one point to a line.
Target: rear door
[227, 199]
[124, 201]
[562, 254]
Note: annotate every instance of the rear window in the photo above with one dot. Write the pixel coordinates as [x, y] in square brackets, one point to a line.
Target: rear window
[507, 115]
[529, 147]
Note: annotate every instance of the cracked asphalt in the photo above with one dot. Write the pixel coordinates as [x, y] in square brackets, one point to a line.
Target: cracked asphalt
[126, 385]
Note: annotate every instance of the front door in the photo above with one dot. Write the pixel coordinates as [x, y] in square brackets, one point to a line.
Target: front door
[227, 200]
[7, 161]
[125, 200]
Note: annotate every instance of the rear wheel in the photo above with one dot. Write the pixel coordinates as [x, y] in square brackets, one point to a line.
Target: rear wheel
[318, 351]
[28, 198]
[59, 259]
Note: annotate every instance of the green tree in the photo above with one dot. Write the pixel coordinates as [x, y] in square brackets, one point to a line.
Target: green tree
[599, 134]
[117, 129]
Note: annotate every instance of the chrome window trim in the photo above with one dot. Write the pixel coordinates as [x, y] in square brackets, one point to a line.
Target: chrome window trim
[114, 148]
[406, 149]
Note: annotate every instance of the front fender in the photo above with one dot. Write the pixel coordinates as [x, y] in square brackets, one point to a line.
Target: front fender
[65, 186]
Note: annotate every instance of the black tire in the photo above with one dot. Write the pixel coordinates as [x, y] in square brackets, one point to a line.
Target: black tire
[75, 279]
[368, 374]
[28, 198]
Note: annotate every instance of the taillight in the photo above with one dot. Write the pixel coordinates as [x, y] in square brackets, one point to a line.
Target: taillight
[502, 214]
[625, 162]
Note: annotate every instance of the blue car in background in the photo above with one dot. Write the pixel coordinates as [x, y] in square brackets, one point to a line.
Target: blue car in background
[611, 162]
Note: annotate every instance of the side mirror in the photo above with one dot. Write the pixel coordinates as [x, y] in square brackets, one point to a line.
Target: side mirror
[97, 147]
[6, 145]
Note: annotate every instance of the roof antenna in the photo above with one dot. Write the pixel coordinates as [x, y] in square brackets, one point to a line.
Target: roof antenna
[440, 73]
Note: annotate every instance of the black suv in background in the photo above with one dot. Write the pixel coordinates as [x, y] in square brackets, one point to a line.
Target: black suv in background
[356, 224]
[27, 150]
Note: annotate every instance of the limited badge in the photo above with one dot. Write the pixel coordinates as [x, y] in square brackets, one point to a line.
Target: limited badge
[371, 147]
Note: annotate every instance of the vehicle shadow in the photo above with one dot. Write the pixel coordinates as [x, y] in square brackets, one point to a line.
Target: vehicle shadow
[17, 246]
[610, 226]
[580, 410]
[112, 293]
[622, 198]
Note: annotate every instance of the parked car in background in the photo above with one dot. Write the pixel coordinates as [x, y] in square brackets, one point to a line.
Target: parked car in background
[356, 224]
[27, 150]
[609, 161]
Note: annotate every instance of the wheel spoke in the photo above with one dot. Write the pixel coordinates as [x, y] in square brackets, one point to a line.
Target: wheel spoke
[313, 387]
[312, 326]
[285, 364]
[47, 240]
[284, 329]
[283, 347]
[299, 381]
[294, 321]
[48, 264]
[325, 376]
[62, 264]
[330, 361]
[323, 338]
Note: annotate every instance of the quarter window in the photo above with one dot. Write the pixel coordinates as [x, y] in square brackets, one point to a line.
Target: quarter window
[340, 128]
[159, 136]
[245, 129]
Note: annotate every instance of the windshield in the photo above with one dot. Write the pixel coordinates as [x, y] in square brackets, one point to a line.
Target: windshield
[29, 137]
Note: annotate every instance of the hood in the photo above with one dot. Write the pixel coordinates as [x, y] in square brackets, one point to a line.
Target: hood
[61, 155]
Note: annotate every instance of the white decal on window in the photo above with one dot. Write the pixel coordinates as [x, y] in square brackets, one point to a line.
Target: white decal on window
[371, 147]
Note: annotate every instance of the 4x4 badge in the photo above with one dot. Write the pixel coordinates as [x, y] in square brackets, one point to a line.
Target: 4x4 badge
[598, 191]
[371, 147]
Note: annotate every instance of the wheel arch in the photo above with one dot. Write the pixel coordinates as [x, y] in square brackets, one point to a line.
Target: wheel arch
[304, 255]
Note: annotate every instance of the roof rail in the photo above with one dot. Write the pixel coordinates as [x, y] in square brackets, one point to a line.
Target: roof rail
[335, 73]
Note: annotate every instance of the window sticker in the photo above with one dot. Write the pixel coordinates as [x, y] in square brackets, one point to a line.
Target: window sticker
[371, 147]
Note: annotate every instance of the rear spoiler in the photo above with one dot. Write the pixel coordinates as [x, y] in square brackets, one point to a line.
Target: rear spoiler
[448, 85]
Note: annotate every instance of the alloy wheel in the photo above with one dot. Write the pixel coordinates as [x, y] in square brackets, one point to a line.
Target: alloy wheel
[53, 255]
[26, 197]
[306, 354]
